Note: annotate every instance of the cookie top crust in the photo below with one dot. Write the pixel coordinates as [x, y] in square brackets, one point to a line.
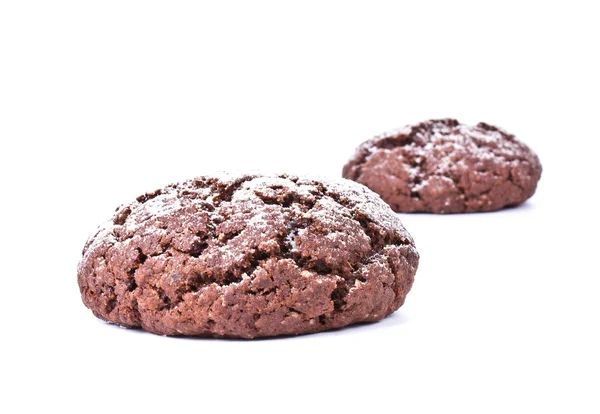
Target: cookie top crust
[218, 235]
[210, 207]
[443, 166]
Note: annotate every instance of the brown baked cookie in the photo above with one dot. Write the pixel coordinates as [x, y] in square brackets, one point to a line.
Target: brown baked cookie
[249, 256]
[441, 166]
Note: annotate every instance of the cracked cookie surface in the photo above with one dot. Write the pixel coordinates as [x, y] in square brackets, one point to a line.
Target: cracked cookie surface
[442, 166]
[248, 256]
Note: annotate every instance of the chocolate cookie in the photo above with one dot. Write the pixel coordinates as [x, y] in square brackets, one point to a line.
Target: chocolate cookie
[441, 166]
[248, 256]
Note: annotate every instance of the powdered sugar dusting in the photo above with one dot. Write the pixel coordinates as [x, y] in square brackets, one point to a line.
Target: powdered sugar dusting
[481, 140]
[182, 198]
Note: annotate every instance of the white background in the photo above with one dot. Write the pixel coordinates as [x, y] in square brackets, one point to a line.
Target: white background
[102, 101]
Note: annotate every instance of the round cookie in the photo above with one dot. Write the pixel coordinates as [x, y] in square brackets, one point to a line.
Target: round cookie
[248, 256]
[442, 166]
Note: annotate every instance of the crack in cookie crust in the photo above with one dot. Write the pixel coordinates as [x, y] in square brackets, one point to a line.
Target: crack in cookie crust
[442, 166]
[247, 256]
